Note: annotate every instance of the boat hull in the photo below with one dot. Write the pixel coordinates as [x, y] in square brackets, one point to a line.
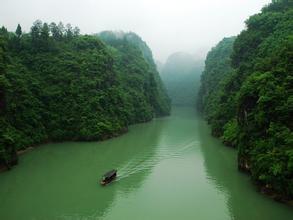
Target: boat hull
[108, 181]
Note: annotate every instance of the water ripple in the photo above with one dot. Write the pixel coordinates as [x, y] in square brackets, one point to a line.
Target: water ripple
[146, 161]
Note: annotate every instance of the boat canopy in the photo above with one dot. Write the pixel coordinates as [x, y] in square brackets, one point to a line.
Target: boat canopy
[110, 173]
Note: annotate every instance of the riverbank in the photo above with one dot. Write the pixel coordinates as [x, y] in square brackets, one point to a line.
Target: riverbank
[169, 168]
[4, 167]
[244, 166]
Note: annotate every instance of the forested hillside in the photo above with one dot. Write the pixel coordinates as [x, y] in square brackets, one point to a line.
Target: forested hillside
[248, 99]
[217, 71]
[181, 75]
[57, 85]
[125, 42]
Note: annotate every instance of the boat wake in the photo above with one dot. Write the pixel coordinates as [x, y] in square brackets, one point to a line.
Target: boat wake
[146, 161]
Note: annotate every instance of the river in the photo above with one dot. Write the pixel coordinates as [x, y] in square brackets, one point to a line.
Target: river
[169, 168]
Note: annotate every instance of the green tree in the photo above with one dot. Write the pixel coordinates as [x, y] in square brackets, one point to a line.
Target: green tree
[55, 31]
[76, 31]
[69, 31]
[44, 37]
[18, 31]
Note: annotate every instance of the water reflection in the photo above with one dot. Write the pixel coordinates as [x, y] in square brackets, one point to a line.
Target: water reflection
[243, 201]
[61, 181]
[133, 155]
[170, 168]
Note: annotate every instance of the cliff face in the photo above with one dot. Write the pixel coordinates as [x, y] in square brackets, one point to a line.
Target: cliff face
[249, 107]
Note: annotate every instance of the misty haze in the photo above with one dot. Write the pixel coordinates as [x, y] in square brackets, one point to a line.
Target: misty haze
[147, 110]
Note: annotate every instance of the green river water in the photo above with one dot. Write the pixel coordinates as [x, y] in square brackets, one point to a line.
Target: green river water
[170, 168]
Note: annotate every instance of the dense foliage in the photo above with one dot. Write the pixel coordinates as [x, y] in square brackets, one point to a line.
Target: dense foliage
[56, 85]
[181, 75]
[125, 42]
[217, 71]
[248, 98]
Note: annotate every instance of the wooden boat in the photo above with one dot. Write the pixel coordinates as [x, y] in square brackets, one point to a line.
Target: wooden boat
[108, 177]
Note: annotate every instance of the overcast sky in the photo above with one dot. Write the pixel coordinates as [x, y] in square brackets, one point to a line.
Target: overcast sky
[167, 26]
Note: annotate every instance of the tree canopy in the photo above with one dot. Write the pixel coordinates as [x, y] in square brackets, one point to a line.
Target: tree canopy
[58, 85]
[246, 95]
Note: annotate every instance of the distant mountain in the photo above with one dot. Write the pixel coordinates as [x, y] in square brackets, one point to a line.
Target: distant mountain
[181, 75]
